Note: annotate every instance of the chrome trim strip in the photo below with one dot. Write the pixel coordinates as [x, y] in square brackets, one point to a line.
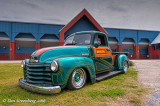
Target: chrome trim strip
[39, 89]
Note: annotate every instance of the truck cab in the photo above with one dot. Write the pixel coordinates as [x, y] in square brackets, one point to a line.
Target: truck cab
[85, 56]
[100, 51]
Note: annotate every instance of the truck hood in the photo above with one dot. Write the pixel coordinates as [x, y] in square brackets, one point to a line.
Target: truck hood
[51, 53]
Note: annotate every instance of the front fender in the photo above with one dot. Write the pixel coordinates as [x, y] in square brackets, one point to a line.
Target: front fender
[24, 69]
[120, 59]
[68, 64]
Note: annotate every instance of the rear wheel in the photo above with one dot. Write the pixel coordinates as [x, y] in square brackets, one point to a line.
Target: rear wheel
[77, 79]
[125, 67]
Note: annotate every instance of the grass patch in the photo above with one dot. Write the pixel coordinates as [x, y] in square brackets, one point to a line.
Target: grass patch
[132, 86]
[124, 86]
[133, 64]
[113, 92]
[108, 92]
[136, 101]
[140, 91]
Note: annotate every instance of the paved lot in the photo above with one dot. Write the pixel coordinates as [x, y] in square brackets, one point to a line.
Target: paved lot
[149, 76]
[14, 61]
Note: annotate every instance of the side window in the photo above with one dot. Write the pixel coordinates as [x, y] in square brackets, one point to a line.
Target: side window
[157, 46]
[100, 39]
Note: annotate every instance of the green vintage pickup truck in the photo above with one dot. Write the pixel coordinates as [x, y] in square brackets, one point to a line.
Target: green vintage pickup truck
[85, 56]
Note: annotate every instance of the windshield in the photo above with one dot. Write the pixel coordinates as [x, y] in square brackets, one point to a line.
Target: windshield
[82, 39]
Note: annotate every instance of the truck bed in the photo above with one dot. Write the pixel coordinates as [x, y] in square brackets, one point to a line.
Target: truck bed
[116, 53]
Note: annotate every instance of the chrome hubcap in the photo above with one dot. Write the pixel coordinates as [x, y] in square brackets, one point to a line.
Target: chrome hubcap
[78, 78]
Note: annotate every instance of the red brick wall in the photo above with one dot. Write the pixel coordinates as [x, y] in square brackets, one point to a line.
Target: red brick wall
[153, 54]
[136, 52]
[4, 56]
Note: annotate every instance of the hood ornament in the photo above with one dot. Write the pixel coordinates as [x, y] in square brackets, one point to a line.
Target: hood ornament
[32, 60]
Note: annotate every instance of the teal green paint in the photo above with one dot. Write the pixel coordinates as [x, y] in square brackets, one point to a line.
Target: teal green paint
[70, 58]
[121, 58]
[67, 66]
[103, 64]
[77, 51]
[113, 68]
[27, 61]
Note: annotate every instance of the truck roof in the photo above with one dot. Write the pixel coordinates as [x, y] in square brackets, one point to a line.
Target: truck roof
[89, 32]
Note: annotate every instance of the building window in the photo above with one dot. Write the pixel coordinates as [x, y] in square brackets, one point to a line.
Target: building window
[157, 46]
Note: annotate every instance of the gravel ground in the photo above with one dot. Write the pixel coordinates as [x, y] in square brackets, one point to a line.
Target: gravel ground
[149, 77]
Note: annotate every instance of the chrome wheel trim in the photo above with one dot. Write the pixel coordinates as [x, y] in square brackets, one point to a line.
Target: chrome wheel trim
[125, 67]
[81, 78]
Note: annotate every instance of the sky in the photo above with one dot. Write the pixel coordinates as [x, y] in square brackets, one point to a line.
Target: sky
[129, 14]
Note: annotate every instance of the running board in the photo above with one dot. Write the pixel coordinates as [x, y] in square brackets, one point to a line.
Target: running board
[106, 75]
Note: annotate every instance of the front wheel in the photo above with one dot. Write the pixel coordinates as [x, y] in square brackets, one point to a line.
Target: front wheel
[125, 67]
[77, 79]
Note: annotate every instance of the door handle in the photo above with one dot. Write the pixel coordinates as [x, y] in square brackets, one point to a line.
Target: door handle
[108, 49]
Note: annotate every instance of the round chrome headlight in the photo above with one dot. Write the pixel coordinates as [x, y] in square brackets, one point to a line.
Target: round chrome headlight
[54, 66]
[23, 64]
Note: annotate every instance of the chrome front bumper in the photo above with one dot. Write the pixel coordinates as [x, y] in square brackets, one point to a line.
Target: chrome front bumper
[39, 89]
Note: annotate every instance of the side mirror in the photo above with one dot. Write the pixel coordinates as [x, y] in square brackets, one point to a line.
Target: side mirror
[97, 44]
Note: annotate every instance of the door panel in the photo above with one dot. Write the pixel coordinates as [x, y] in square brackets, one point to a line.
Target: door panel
[102, 53]
[102, 59]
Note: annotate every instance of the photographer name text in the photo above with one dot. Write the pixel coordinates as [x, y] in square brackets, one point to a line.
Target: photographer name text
[24, 100]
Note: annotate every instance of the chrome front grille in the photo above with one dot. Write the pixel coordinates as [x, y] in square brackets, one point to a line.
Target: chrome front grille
[37, 73]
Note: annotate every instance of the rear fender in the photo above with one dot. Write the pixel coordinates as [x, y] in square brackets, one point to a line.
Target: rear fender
[119, 61]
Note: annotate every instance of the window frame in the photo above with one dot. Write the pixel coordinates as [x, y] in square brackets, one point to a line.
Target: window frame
[106, 40]
[78, 35]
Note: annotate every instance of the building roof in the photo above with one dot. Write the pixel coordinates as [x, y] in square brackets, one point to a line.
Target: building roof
[156, 40]
[85, 13]
[43, 23]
